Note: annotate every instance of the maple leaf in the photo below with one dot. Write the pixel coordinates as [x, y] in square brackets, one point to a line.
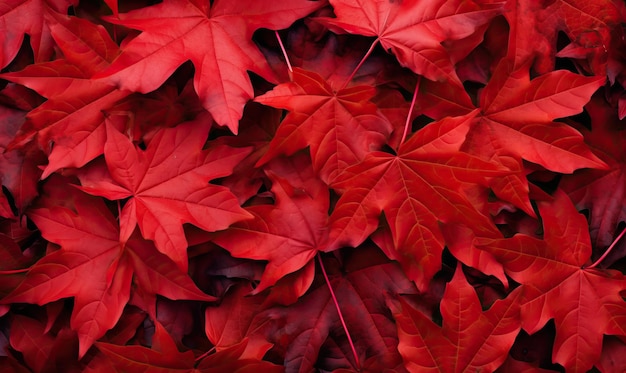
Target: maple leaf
[104, 267]
[422, 185]
[165, 357]
[167, 185]
[478, 341]
[19, 17]
[413, 30]
[584, 302]
[287, 244]
[512, 125]
[215, 36]
[72, 118]
[339, 126]
[310, 333]
[588, 188]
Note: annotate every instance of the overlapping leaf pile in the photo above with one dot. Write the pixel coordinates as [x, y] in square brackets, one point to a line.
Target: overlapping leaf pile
[301, 185]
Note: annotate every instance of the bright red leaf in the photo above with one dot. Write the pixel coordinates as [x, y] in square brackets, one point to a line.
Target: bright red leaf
[91, 252]
[287, 244]
[340, 126]
[585, 303]
[422, 185]
[413, 30]
[167, 185]
[203, 32]
[455, 347]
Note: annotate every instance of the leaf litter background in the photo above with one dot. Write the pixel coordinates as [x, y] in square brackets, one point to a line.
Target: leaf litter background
[411, 185]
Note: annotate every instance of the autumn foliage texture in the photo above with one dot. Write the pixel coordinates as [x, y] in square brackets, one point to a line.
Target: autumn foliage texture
[300, 185]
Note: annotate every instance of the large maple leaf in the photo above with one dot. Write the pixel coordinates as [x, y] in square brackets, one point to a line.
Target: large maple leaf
[339, 126]
[417, 188]
[215, 36]
[469, 339]
[92, 266]
[167, 184]
[516, 122]
[585, 303]
[287, 244]
[413, 29]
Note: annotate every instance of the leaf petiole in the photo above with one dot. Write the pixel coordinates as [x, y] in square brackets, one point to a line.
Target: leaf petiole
[606, 253]
[343, 322]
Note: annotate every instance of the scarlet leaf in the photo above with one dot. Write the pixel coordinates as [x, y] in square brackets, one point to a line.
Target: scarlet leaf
[203, 32]
[427, 348]
[585, 303]
[413, 30]
[404, 188]
[339, 126]
[288, 244]
[104, 267]
[167, 185]
[73, 116]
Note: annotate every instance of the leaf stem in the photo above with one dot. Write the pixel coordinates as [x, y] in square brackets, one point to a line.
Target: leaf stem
[369, 51]
[408, 117]
[282, 47]
[14, 271]
[606, 253]
[343, 323]
[205, 354]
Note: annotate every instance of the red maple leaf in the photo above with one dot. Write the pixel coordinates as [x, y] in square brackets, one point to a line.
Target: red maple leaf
[469, 339]
[413, 30]
[202, 32]
[92, 266]
[515, 112]
[287, 244]
[585, 303]
[417, 188]
[167, 185]
[70, 125]
[339, 126]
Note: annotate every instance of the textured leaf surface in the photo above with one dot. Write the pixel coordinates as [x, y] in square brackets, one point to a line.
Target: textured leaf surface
[420, 186]
[582, 302]
[167, 185]
[413, 30]
[426, 347]
[202, 33]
